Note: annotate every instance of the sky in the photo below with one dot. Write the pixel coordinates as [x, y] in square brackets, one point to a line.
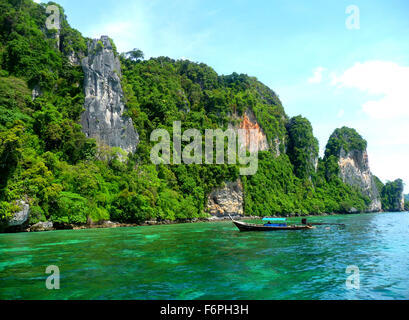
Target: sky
[337, 63]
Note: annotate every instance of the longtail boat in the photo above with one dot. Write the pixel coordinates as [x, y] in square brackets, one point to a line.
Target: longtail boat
[271, 225]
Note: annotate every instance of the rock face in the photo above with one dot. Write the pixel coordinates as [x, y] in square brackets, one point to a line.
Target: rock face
[20, 217]
[42, 226]
[402, 204]
[74, 58]
[392, 196]
[36, 92]
[104, 118]
[228, 200]
[354, 170]
[249, 122]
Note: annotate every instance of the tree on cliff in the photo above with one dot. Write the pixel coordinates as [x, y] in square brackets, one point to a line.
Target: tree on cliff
[134, 55]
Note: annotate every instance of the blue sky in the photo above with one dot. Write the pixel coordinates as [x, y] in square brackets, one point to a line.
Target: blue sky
[303, 50]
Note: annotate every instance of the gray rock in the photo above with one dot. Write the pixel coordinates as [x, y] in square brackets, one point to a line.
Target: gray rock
[354, 170]
[74, 58]
[110, 224]
[401, 204]
[104, 118]
[20, 217]
[42, 226]
[227, 200]
[398, 203]
[36, 92]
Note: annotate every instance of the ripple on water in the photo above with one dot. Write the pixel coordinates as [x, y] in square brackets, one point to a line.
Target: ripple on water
[212, 261]
[26, 260]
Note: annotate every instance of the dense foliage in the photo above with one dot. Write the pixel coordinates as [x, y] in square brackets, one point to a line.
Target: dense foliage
[35, 135]
[391, 195]
[46, 160]
[302, 147]
[345, 139]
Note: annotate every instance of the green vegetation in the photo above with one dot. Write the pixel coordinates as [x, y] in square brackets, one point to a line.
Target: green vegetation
[134, 55]
[302, 147]
[391, 195]
[344, 139]
[275, 188]
[379, 184]
[67, 178]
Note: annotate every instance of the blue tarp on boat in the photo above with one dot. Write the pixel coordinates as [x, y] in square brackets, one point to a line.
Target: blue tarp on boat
[275, 225]
[274, 219]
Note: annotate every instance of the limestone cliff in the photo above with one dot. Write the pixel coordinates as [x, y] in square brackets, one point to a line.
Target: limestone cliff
[104, 118]
[229, 199]
[20, 217]
[249, 122]
[350, 149]
[392, 196]
[402, 203]
[226, 200]
[354, 170]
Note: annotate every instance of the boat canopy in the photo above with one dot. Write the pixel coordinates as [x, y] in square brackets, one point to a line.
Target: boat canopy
[274, 219]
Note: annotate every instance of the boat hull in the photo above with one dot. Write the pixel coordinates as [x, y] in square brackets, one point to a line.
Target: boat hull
[242, 226]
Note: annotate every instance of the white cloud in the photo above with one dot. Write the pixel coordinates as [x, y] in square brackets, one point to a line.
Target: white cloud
[381, 116]
[387, 81]
[317, 76]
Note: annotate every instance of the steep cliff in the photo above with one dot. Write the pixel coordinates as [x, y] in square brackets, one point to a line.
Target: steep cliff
[302, 147]
[104, 117]
[392, 196]
[226, 200]
[350, 150]
[249, 122]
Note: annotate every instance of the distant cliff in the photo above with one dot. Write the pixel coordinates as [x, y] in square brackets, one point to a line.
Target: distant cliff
[392, 196]
[104, 117]
[350, 150]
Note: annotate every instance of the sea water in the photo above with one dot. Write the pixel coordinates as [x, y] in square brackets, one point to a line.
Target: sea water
[213, 261]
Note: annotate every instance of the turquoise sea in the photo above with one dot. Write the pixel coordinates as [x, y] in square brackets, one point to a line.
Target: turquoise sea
[212, 261]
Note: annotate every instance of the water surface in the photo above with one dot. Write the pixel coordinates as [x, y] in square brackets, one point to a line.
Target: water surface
[212, 261]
